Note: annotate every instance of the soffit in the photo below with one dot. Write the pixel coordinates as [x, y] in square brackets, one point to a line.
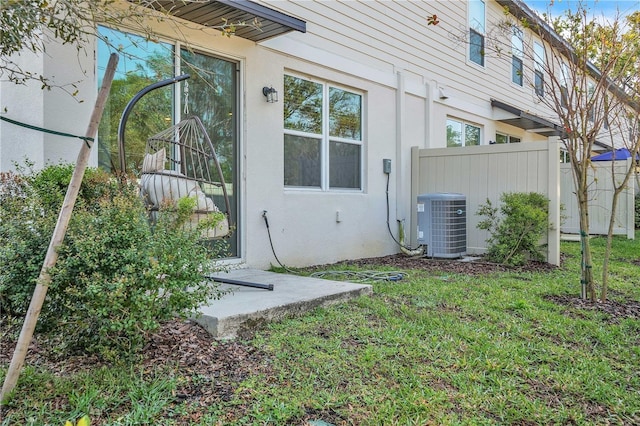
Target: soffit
[526, 121]
[214, 13]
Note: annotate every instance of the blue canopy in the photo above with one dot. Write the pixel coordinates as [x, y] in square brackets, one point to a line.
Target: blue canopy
[618, 154]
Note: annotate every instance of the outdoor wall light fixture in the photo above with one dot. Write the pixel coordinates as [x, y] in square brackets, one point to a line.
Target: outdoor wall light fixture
[270, 93]
[443, 93]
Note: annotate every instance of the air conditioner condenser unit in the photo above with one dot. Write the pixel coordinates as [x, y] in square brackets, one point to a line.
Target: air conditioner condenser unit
[442, 224]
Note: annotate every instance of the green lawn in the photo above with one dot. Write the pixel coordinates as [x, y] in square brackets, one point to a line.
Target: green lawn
[434, 348]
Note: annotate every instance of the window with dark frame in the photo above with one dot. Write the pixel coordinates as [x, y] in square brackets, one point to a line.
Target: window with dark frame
[502, 138]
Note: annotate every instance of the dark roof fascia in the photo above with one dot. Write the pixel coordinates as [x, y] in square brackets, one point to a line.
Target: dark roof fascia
[272, 22]
[603, 145]
[266, 13]
[557, 130]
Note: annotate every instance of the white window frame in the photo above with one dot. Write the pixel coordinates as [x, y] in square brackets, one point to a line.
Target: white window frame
[326, 138]
[475, 25]
[538, 68]
[517, 56]
[463, 138]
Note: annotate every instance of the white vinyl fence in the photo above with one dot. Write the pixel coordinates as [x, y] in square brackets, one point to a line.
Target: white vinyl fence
[601, 186]
[486, 172]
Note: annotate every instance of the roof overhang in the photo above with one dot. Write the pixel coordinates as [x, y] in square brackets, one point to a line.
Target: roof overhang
[526, 121]
[215, 13]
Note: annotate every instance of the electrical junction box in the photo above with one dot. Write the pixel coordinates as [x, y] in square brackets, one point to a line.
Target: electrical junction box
[442, 224]
[386, 165]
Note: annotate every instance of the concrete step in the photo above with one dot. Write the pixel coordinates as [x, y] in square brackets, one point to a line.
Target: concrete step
[245, 307]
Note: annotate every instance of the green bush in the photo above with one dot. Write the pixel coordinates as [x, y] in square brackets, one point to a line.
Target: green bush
[515, 228]
[116, 278]
[25, 231]
[30, 204]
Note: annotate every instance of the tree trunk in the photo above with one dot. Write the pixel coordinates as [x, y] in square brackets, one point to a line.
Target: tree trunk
[587, 284]
[607, 252]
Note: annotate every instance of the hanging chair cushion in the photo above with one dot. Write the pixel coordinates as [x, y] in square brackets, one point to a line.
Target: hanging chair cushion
[162, 187]
[153, 162]
[187, 148]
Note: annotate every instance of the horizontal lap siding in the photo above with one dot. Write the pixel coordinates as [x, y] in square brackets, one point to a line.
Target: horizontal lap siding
[391, 32]
[394, 35]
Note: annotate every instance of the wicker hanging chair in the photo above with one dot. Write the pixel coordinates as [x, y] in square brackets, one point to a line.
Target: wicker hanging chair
[181, 162]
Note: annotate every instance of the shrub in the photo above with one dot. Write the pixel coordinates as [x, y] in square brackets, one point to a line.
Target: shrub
[515, 228]
[29, 209]
[24, 237]
[116, 278]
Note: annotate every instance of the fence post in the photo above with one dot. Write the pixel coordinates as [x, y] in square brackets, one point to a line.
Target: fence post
[553, 247]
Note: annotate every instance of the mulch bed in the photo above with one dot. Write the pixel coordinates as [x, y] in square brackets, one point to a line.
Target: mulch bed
[476, 267]
[614, 310]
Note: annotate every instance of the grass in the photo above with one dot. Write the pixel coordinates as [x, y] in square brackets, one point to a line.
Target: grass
[430, 349]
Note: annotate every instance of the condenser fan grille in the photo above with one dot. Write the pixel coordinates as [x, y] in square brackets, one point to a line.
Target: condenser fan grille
[442, 224]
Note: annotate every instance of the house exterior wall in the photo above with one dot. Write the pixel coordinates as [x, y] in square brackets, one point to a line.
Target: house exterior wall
[384, 50]
[24, 104]
[52, 109]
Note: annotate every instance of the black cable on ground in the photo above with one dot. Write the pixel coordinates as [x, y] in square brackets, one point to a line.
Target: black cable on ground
[351, 275]
[266, 222]
[361, 275]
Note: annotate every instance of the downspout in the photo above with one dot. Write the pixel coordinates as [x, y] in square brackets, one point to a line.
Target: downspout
[400, 106]
[400, 171]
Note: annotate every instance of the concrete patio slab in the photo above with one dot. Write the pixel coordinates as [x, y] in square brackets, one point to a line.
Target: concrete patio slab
[245, 307]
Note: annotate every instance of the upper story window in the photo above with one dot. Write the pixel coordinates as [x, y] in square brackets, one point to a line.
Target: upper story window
[476, 31]
[538, 68]
[591, 89]
[322, 135]
[516, 56]
[564, 85]
[460, 133]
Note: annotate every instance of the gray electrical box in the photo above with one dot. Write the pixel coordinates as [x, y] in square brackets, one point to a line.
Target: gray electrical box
[442, 224]
[386, 166]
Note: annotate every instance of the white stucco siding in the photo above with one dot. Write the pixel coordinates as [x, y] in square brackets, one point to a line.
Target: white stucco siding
[67, 70]
[73, 71]
[382, 49]
[313, 226]
[22, 103]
